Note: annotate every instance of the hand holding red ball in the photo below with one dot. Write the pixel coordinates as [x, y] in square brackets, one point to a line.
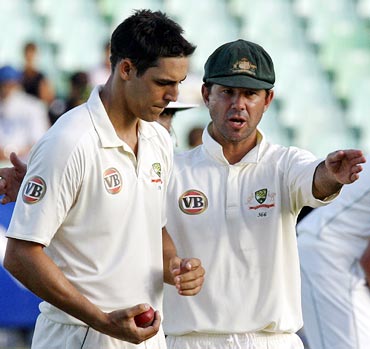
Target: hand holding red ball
[145, 319]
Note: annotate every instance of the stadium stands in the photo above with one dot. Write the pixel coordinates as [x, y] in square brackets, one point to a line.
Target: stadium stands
[320, 56]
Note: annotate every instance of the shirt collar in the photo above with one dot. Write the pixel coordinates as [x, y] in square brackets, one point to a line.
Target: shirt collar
[214, 149]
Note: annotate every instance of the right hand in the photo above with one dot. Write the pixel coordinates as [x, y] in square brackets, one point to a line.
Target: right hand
[121, 325]
[188, 275]
[11, 179]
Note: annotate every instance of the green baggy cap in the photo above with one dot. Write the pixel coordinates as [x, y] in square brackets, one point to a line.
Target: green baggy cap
[240, 63]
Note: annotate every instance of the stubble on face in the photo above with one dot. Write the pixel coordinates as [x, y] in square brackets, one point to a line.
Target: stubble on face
[158, 86]
[235, 114]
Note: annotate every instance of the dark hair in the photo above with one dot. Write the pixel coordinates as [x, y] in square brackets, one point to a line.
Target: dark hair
[79, 79]
[147, 36]
[168, 111]
[195, 136]
[30, 45]
[208, 85]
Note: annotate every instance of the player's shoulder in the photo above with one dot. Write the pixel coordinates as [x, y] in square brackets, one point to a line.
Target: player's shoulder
[70, 131]
[188, 159]
[159, 130]
[157, 135]
[272, 151]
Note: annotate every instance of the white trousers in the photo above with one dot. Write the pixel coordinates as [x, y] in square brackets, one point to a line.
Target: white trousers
[335, 298]
[51, 335]
[235, 341]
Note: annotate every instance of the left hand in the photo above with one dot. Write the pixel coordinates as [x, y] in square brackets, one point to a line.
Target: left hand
[188, 275]
[11, 179]
[344, 165]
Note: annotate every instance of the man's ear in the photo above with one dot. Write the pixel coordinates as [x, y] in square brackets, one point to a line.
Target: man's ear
[205, 94]
[126, 68]
[269, 99]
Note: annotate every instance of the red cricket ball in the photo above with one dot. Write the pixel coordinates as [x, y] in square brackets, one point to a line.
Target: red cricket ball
[145, 319]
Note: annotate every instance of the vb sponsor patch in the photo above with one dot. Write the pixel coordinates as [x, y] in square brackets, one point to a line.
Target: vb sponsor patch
[34, 190]
[112, 180]
[193, 202]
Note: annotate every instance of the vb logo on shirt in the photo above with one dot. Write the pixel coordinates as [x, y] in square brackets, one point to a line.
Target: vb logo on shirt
[112, 181]
[34, 190]
[193, 202]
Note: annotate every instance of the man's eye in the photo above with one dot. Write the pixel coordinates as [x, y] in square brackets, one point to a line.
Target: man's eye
[251, 93]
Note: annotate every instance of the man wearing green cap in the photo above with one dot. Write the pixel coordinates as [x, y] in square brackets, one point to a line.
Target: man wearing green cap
[234, 202]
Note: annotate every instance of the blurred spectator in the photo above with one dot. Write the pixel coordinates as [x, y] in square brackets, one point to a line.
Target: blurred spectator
[166, 117]
[23, 118]
[79, 91]
[195, 136]
[34, 82]
[13, 338]
[99, 75]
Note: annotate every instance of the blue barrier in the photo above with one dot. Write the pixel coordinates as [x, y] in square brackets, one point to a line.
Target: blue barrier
[19, 307]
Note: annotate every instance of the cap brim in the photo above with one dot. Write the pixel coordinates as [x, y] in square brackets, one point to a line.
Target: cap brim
[181, 106]
[242, 81]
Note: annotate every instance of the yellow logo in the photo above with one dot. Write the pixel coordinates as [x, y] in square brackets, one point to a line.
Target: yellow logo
[264, 198]
[260, 195]
[244, 66]
[156, 173]
[157, 169]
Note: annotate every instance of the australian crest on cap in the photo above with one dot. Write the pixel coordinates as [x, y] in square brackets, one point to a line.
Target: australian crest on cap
[244, 66]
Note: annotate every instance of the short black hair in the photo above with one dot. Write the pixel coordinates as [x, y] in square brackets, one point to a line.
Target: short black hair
[147, 36]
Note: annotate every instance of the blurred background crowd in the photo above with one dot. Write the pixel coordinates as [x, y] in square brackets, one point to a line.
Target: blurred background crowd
[53, 53]
[321, 51]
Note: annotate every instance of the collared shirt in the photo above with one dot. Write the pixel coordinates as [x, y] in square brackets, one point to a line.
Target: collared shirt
[98, 208]
[240, 221]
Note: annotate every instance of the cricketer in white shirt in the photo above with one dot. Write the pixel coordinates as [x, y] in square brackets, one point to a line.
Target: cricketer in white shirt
[241, 220]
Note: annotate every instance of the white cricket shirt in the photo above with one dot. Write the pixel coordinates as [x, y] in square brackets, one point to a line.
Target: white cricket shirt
[344, 225]
[98, 208]
[240, 221]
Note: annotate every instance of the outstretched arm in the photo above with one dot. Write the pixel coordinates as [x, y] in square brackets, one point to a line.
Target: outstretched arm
[11, 179]
[340, 167]
[186, 274]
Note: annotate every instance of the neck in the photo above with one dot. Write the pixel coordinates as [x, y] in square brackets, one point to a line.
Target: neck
[235, 151]
[125, 124]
